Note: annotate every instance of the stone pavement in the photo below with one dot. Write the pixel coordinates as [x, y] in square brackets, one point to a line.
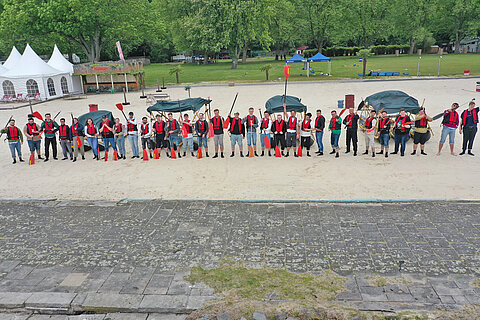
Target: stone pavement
[130, 256]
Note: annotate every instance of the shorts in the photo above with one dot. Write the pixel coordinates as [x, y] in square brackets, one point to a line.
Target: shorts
[420, 138]
[291, 139]
[384, 139]
[34, 145]
[218, 140]
[450, 132]
[251, 138]
[236, 139]
[146, 143]
[202, 142]
[369, 140]
[160, 141]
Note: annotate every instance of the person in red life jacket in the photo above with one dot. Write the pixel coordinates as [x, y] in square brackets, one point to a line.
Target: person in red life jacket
[77, 131]
[187, 134]
[265, 132]
[319, 127]
[65, 137]
[15, 140]
[173, 129]
[49, 127]
[217, 122]
[421, 131]
[279, 128]
[145, 135]
[132, 132]
[335, 127]
[119, 136]
[369, 129]
[450, 123]
[251, 124]
[468, 125]
[384, 125]
[351, 123]
[402, 129]
[32, 132]
[306, 129]
[160, 133]
[292, 133]
[237, 132]
[91, 132]
[106, 129]
[201, 128]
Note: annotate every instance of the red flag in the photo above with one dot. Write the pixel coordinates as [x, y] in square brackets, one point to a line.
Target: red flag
[145, 155]
[299, 150]
[172, 154]
[115, 155]
[266, 140]
[199, 153]
[277, 152]
[106, 155]
[211, 133]
[286, 71]
[32, 159]
[156, 155]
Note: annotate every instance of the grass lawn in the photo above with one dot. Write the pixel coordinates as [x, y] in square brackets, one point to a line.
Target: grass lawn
[342, 67]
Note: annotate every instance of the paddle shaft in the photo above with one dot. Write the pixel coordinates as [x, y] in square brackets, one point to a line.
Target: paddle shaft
[11, 117]
[233, 104]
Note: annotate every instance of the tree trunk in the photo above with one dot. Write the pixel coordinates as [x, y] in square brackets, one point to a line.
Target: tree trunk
[413, 43]
[364, 66]
[244, 54]
[178, 80]
[266, 73]
[457, 42]
[236, 55]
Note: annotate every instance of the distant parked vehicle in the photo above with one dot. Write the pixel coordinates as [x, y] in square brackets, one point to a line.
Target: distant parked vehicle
[224, 57]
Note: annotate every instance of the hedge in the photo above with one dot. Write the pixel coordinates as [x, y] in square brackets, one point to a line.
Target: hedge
[351, 51]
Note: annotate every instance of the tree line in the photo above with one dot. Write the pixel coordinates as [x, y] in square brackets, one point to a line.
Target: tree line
[161, 28]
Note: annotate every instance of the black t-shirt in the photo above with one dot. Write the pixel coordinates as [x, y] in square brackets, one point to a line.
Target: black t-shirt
[351, 121]
[217, 125]
[320, 123]
[398, 125]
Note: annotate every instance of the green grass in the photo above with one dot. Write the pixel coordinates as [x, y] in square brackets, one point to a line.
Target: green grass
[342, 67]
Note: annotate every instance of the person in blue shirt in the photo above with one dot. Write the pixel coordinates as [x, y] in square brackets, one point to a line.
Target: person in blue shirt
[468, 125]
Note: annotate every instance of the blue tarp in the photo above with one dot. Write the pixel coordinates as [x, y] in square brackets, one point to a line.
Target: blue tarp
[297, 58]
[318, 58]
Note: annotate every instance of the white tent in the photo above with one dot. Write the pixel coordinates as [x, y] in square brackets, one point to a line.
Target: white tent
[2, 69]
[58, 61]
[12, 59]
[32, 76]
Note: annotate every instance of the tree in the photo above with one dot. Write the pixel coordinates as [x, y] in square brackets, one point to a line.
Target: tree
[266, 68]
[364, 54]
[177, 69]
[283, 33]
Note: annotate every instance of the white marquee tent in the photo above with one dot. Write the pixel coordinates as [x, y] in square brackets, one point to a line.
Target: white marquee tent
[58, 61]
[32, 77]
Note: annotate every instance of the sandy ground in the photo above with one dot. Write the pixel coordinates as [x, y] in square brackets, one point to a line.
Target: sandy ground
[418, 177]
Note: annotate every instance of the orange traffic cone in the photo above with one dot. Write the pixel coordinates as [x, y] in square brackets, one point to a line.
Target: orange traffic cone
[145, 155]
[173, 155]
[32, 159]
[199, 153]
[115, 155]
[277, 152]
[250, 152]
[156, 155]
[266, 141]
[299, 150]
[106, 155]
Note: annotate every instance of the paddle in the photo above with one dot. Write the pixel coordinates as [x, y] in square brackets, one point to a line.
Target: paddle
[266, 140]
[286, 72]
[211, 132]
[11, 117]
[227, 121]
[120, 107]
[438, 116]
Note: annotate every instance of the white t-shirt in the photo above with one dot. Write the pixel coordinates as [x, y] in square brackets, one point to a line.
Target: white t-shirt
[305, 133]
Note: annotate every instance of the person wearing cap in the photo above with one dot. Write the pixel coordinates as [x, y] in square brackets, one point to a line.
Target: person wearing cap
[132, 132]
[468, 125]
[251, 122]
[77, 130]
[421, 131]
[173, 129]
[187, 134]
[306, 128]
[369, 131]
[119, 136]
[106, 130]
[201, 128]
[49, 127]
[15, 140]
[237, 132]
[65, 138]
[402, 128]
[319, 127]
[32, 132]
[265, 132]
[145, 134]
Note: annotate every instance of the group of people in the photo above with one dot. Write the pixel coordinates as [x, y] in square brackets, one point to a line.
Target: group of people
[171, 135]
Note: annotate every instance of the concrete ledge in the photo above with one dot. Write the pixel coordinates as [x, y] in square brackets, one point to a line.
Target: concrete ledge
[11, 300]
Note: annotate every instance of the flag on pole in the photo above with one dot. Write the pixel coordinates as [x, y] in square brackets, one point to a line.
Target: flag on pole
[120, 52]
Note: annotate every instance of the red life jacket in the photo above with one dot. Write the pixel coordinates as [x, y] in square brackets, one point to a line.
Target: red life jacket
[201, 126]
[384, 122]
[217, 122]
[118, 128]
[145, 129]
[74, 129]
[233, 123]
[292, 125]
[279, 125]
[159, 129]
[250, 121]
[422, 123]
[31, 128]
[265, 123]
[452, 119]
[305, 126]
[91, 129]
[49, 127]
[131, 126]
[13, 133]
[172, 124]
[402, 128]
[63, 131]
[105, 129]
[350, 120]
[368, 122]
[187, 128]
[334, 125]
[474, 115]
[316, 121]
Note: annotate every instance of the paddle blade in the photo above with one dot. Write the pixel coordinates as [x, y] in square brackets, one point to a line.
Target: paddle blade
[119, 106]
[145, 155]
[266, 141]
[250, 152]
[172, 154]
[79, 142]
[199, 153]
[342, 112]
[299, 151]
[37, 115]
[277, 152]
[106, 155]
[211, 133]
[115, 155]
[226, 123]
[286, 71]
[184, 133]
[156, 155]
[32, 159]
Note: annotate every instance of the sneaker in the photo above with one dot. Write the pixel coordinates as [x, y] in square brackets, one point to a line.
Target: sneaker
[386, 154]
[373, 154]
[222, 155]
[348, 151]
[470, 153]
[241, 154]
[423, 153]
[308, 154]
[395, 152]
[262, 154]
[462, 153]
[180, 155]
[14, 161]
[74, 159]
[402, 154]
[366, 152]
[133, 157]
[414, 152]
[20, 159]
[54, 158]
[193, 155]
[337, 155]
[206, 154]
[320, 154]
[215, 156]
[295, 155]
[46, 159]
[232, 155]
[355, 153]
[184, 154]
[83, 157]
[381, 152]
[333, 152]
[40, 157]
[65, 158]
[286, 155]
